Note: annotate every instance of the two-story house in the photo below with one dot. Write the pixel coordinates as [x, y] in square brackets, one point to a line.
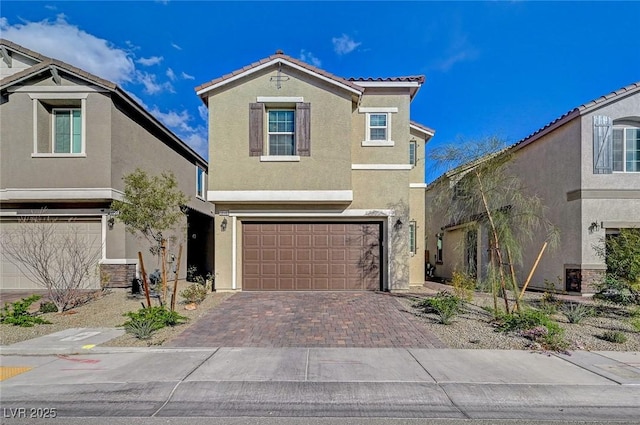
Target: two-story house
[67, 138]
[317, 180]
[585, 166]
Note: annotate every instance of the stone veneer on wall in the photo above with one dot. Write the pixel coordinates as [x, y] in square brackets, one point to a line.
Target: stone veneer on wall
[120, 275]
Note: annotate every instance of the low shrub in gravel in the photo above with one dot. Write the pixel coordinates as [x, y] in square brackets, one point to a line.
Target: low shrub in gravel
[17, 313]
[141, 327]
[157, 316]
[48, 307]
[536, 326]
[575, 312]
[444, 305]
[195, 293]
[616, 337]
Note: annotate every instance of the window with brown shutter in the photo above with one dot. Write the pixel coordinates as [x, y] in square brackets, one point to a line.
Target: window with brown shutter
[279, 131]
[303, 129]
[256, 128]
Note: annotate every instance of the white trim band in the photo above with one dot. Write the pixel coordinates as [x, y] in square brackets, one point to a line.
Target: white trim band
[418, 185]
[279, 99]
[381, 166]
[60, 194]
[280, 196]
[355, 213]
[279, 158]
[377, 109]
[378, 143]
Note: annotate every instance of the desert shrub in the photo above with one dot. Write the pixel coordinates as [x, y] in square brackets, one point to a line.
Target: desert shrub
[463, 285]
[195, 293]
[616, 337]
[48, 307]
[444, 305]
[536, 326]
[141, 327]
[17, 313]
[575, 312]
[159, 316]
[621, 253]
[617, 291]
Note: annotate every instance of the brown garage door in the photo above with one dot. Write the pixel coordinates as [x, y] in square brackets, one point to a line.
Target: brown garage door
[311, 256]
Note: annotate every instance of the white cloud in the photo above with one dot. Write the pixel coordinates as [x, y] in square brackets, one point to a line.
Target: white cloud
[186, 76]
[344, 44]
[457, 49]
[310, 58]
[175, 46]
[90, 53]
[179, 122]
[204, 112]
[171, 74]
[153, 60]
[151, 86]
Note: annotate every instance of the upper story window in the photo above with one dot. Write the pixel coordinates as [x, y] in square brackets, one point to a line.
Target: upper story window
[377, 129]
[377, 125]
[626, 149]
[281, 132]
[67, 131]
[412, 152]
[200, 182]
[280, 129]
[412, 237]
[59, 124]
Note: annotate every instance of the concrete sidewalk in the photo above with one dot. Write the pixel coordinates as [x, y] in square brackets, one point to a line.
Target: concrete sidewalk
[316, 382]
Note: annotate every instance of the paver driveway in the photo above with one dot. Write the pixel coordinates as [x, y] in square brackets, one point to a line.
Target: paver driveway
[308, 319]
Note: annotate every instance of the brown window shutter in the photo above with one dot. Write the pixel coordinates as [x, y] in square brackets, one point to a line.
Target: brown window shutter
[303, 129]
[256, 128]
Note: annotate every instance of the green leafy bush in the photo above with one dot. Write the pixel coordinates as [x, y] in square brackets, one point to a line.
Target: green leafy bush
[444, 305]
[575, 312]
[195, 293]
[158, 316]
[463, 285]
[535, 325]
[616, 337]
[17, 313]
[48, 307]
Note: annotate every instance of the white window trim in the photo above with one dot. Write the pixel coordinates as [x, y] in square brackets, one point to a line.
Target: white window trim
[280, 158]
[279, 99]
[624, 148]
[204, 179]
[377, 110]
[35, 97]
[381, 167]
[269, 133]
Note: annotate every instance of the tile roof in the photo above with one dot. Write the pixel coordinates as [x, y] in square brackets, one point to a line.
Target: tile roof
[585, 107]
[406, 79]
[279, 55]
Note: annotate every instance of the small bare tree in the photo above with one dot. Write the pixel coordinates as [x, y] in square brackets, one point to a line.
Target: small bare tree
[60, 260]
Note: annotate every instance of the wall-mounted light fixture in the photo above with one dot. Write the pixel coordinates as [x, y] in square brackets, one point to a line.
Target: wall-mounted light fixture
[594, 226]
[398, 224]
[223, 225]
[111, 221]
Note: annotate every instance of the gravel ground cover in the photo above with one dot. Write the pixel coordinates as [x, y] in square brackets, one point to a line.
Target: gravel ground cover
[474, 326]
[107, 309]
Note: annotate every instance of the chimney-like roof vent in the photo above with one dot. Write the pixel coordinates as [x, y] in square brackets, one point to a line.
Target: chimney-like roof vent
[279, 52]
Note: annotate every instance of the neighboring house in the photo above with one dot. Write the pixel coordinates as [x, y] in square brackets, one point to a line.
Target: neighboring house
[585, 166]
[66, 141]
[317, 180]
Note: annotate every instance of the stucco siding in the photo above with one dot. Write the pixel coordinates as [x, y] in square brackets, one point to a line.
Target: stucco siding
[327, 168]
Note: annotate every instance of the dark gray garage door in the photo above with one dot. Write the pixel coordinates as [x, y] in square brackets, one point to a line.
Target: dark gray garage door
[311, 256]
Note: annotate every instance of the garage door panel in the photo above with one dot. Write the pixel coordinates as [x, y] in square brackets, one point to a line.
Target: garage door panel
[311, 256]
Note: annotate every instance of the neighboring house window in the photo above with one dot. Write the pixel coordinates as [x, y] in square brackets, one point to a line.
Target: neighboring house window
[378, 127]
[412, 237]
[412, 152]
[59, 124]
[626, 149]
[67, 131]
[288, 130]
[439, 243]
[200, 181]
[281, 130]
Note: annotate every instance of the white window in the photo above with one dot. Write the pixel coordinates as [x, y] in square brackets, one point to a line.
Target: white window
[378, 127]
[281, 132]
[67, 131]
[59, 124]
[412, 152]
[412, 237]
[626, 149]
[200, 182]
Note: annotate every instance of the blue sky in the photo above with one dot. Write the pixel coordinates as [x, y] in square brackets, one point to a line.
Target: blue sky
[492, 68]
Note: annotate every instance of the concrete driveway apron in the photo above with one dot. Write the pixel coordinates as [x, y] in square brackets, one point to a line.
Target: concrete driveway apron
[308, 319]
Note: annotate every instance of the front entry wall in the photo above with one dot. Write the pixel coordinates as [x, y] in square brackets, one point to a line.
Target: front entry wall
[311, 256]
